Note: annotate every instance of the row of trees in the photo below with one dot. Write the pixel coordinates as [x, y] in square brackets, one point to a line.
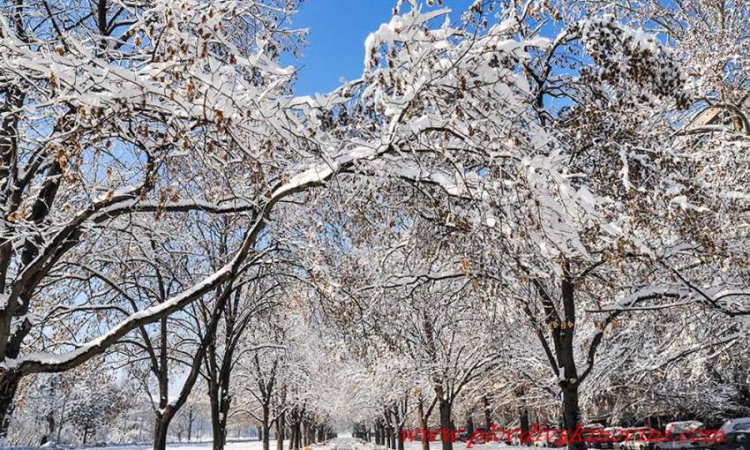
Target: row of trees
[537, 209]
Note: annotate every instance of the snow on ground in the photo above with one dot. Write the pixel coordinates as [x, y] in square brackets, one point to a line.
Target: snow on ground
[231, 445]
[344, 442]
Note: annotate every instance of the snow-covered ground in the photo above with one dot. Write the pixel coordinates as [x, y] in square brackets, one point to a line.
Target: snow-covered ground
[248, 445]
[231, 445]
[341, 443]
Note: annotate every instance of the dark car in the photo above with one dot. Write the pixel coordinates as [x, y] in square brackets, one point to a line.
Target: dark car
[738, 440]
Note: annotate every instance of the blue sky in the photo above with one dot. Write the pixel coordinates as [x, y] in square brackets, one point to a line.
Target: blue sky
[338, 29]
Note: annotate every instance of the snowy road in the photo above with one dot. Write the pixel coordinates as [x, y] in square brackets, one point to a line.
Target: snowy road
[344, 444]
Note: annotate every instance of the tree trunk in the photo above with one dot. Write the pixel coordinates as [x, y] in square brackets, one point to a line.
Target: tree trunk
[424, 432]
[161, 427]
[220, 433]
[523, 415]
[400, 436]
[487, 412]
[50, 419]
[280, 431]
[62, 420]
[292, 429]
[265, 429]
[191, 417]
[571, 415]
[566, 357]
[8, 387]
[297, 434]
[219, 411]
[446, 426]
[168, 410]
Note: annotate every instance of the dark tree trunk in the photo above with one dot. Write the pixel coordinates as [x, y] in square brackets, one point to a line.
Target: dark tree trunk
[487, 412]
[265, 428]
[166, 412]
[280, 425]
[446, 425]
[400, 436]
[292, 430]
[561, 354]
[161, 428]
[8, 388]
[571, 414]
[298, 434]
[424, 432]
[566, 358]
[470, 425]
[220, 400]
[219, 427]
[523, 414]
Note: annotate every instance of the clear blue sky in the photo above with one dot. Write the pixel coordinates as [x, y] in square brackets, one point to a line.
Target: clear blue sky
[338, 29]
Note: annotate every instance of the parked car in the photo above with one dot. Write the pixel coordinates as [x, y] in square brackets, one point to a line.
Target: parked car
[591, 432]
[608, 439]
[684, 426]
[637, 439]
[549, 438]
[735, 440]
[682, 436]
[674, 441]
[733, 425]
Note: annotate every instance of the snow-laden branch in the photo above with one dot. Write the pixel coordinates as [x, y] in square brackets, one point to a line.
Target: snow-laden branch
[315, 176]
